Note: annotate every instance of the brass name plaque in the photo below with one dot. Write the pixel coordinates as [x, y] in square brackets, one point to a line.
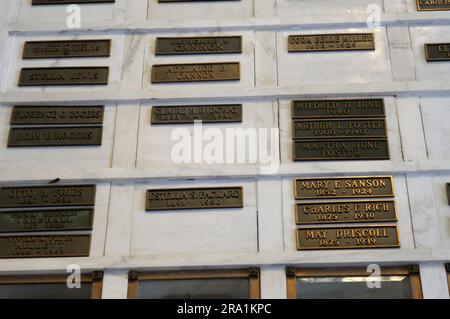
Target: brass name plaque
[433, 5]
[194, 198]
[55, 136]
[198, 45]
[43, 2]
[47, 196]
[343, 187]
[46, 220]
[187, 114]
[335, 108]
[55, 115]
[64, 76]
[333, 128]
[347, 237]
[45, 246]
[345, 212]
[331, 42]
[66, 49]
[167, 73]
[334, 149]
[437, 52]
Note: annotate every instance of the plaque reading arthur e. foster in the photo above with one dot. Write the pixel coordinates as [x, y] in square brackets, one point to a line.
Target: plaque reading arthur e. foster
[331, 42]
[187, 114]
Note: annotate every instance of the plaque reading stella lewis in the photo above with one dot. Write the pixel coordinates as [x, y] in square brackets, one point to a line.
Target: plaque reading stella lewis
[187, 114]
[66, 49]
[64, 76]
[57, 115]
[331, 42]
[307, 109]
[433, 5]
[437, 52]
[198, 45]
[194, 198]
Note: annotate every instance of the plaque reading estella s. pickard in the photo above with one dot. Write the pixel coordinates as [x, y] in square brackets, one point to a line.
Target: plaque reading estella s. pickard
[57, 115]
[345, 212]
[331, 42]
[343, 187]
[55, 136]
[201, 72]
[384, 236]
[64, 76]
[437, 52]
[47, 196]
[198, 45]
[46, 220]
[308, 109]
[66, 49]
[47, 2]
[433, 5]
[194, 198]
[45, 246]
[187, 114]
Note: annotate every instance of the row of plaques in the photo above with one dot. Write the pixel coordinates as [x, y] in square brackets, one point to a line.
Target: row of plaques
[319, 206]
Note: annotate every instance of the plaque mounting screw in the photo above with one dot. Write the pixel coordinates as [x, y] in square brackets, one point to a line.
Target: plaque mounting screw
[97, 275]
[290, 272]
[447, 267]
[133, 275]
[253, 273]
[413, 269]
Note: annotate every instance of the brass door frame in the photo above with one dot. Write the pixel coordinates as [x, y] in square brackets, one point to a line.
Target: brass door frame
[413, 272]
[252, 274]
[447, 267]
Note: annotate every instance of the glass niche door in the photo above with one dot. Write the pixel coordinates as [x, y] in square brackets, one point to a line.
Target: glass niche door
[354, 283]
[51, 287]
[227, 284]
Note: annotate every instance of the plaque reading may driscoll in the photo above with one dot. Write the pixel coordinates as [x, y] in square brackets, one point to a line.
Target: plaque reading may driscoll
[187, 114]
[331, 42]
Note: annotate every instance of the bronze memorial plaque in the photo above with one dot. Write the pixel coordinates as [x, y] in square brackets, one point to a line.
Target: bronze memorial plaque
[45, 246]
[187, 114]
[433, 5]
[46, 220]
[345, 212]
[47, 196]
[331, 42]
[383, 236]
[64, 76]
[437, 52]
[194, 198]
[57, 115]
[66, 49]
[335, 149]
[198, 45]
[343, 187]
[307, 109]
[337, 128]
[55, 136]
[200, 72]
[43, 2]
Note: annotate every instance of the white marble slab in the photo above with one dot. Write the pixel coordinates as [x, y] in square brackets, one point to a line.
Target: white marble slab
[314, 7]
[435, 115]
[442, 205]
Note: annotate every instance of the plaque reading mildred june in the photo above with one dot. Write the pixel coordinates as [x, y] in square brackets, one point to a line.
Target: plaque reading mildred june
[66, 49]
[307, 109]
[437, 51]
[194, 198]
[198, 45]
[433, 5]
[47, 196]
[56, 115]
[187, 114]
[166, 73]
[331, 42]
[383, 236]
[343, 187]
[45, 246]
[345, 212]
[64, 76]
[43, 2]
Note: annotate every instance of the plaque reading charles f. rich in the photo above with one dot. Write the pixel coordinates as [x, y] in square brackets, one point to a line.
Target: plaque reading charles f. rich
[364, 108]
[47, 196]
[383, 236]
[64, 76]
[433, 5]
[45, 246]
[194, 198]
[57, 115]
[345, 212]
[331, 42]
[47, 2]
[437, 52]
[198, 45]
[187, 114]
[66, 49]
[201, 72]
[343, 187]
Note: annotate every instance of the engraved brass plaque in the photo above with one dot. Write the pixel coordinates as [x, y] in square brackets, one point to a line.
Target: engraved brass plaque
[335, 149]
[56, 115]
[64, 76]
[307, 109]
[345, 212]
[45, 246]
[44, 2]
[384, 236]
[66, 49]
[437, 52]
[167, 73]
[343, 187]
[55, 136]
[337, 128]
[187, 114]
[433, 5]
[47, 196]
[46, 220]
[194, 198]
[448, 193]
[198, 45]
[331, 42]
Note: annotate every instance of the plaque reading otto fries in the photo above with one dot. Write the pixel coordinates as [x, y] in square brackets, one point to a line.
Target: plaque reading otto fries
[194, 198]
[331, 42]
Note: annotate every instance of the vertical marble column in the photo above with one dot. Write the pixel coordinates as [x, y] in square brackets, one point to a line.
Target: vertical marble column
[115, 284]
[434, 281]
[402, 59]
[265, 8]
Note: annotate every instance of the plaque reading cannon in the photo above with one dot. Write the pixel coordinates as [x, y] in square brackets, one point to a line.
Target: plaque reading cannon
[198, 45]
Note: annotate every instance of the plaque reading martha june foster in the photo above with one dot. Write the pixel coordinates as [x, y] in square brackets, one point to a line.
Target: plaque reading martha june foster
[433, 5]
[198, 45]
[331, 42]
[56, 115]
[64, 76]
[307, 109]
[437, 52]
[194, 198]
[334, 128]
[66, 49]
[186, 114]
